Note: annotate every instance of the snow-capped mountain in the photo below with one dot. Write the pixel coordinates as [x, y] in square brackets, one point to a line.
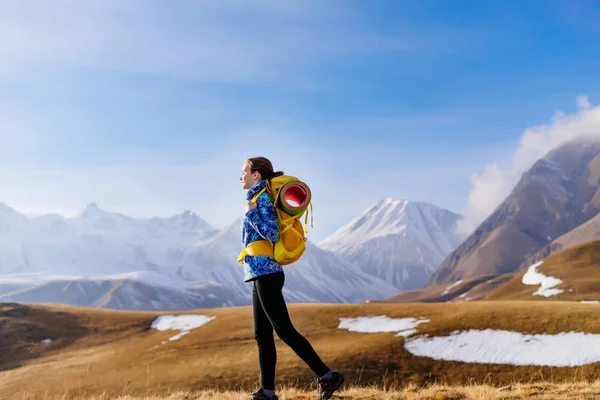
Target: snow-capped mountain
[319, 276]
[104, 259]
[95, 242]
[100, 258]
[399, 241]
[132, 291]
[15, 231]
[324, 274]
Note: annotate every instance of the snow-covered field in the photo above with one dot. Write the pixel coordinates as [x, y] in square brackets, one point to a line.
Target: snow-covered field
[489, 346]
[566, 349]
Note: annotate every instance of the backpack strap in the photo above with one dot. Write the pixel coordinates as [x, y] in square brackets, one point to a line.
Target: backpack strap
[258, 248]
[255, 198]
[306, 218]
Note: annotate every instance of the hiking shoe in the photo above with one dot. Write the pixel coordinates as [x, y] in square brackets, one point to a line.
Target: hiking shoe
[259, 395]
[326, 387]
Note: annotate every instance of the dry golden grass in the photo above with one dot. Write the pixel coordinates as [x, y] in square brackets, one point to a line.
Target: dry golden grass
[468, 290]
[577, 266]
[517, 391]
[481, 290]
[114, 353]
[437, 293]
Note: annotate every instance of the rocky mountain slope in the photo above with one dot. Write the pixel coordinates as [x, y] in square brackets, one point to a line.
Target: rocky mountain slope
[560, 192]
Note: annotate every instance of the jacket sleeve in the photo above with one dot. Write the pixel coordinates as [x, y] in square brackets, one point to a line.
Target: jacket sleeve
[263, 218]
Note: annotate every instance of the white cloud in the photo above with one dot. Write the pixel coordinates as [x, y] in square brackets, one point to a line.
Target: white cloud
[488, 188]
[492, 186]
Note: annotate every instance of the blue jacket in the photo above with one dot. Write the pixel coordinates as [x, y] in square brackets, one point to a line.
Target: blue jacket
[260, 223]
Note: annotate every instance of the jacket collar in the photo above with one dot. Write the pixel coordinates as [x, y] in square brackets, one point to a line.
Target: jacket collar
[257, 188]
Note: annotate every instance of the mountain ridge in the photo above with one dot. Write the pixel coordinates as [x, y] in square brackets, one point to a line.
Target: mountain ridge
[398, 240]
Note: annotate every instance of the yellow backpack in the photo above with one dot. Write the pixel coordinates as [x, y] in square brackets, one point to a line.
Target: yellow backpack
[292, 240]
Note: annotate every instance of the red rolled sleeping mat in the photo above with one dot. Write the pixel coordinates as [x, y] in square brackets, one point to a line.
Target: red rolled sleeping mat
[294, 197]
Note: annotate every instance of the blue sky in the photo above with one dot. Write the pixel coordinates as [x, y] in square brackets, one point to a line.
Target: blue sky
[150, 108]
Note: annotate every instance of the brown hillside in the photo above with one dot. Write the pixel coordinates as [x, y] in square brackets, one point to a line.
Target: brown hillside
[480, 291]
[588, 231]
[468, 290]
[560, 192]
[578, 267]
[23, 328]
[111, 352]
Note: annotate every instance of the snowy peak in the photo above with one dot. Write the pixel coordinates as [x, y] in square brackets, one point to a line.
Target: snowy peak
[382, 219]
[8, 212]
[391, 217]
[188, 220]
[92, 215]
[378, 220]
[13, 222]
[399, 241]
[92, 211]
[91, 208]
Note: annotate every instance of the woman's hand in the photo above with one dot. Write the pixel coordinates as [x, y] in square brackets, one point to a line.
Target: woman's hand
[250, 205]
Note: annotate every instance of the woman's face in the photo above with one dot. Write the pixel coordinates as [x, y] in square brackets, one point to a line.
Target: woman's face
[249, 178]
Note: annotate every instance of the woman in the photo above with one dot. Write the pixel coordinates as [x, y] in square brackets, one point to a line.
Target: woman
[270, 310]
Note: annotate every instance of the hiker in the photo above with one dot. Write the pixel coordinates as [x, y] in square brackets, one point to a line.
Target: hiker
[269, 307]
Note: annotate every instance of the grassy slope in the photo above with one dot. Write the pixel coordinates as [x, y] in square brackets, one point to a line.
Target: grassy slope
[105, 351]
[577, 266]
[539, 391]
[471, 289]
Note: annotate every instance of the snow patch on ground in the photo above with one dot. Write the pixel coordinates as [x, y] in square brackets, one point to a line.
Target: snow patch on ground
[490, 346]
[462, 296]
[533, 277]
[448, 288]
[590, 301]
[183, 323]
[372, 324]
[567, 349]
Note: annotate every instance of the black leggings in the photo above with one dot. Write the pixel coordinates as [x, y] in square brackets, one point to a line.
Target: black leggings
[270, 312]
